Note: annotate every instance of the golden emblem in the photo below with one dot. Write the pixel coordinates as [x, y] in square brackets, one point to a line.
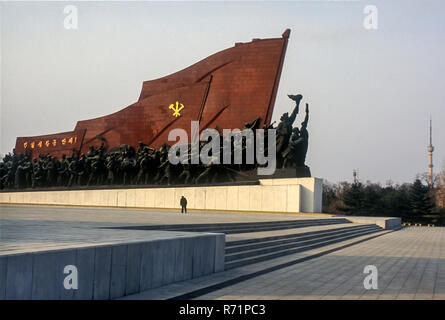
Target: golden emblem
[176, 109]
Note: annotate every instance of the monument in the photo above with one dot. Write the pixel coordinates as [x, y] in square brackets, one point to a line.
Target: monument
[234, 90]
[236, 160]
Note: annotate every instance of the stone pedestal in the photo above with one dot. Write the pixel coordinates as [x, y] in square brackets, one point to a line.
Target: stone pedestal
[287, 195]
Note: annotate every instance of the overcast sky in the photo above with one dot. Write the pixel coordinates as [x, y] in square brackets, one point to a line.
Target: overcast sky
[371, 92]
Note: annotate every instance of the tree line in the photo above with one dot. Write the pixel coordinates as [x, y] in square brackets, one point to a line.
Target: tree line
[414, 202]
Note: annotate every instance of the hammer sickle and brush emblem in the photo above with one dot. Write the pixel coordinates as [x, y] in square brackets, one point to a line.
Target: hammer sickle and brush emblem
[176, 109]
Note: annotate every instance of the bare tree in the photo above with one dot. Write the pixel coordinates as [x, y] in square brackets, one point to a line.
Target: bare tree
[439, 181]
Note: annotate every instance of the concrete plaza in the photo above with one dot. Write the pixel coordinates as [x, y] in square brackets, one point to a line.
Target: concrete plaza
[410, 261]
[36, 228]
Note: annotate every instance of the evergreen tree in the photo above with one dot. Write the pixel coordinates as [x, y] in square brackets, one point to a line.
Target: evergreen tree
[411, 201]
[420, 199]
[353, 199]
[395, 201]
[372, 202]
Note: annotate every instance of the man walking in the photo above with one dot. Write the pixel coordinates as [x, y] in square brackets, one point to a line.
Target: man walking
[183, 203]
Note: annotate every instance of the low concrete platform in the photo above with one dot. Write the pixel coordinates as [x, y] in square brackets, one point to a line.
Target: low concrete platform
[388, 223]
[110, 271]
[37, 242]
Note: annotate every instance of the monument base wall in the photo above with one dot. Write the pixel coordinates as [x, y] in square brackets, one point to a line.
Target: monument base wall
[289, 195]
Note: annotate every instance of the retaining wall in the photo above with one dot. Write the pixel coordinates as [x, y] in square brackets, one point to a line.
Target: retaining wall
[110, 271]
[271, 195]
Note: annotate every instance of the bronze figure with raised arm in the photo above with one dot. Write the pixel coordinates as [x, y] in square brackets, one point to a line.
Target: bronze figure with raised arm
[284, 128]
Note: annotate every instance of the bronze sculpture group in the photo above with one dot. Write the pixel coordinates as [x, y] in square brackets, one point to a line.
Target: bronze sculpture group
[149, 166]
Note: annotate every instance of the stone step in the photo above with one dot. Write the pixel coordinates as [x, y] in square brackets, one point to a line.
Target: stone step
[261, 228]
[231, 228]
[250, 244]
[204, 225]
[278, 253]
[244, 253]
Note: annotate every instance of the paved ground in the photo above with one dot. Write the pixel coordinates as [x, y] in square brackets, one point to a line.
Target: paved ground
[37, 228]
[20, 236]
[410, 264]
[136, 216]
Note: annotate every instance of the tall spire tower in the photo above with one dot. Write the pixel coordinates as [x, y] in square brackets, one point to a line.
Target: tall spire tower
[430, 153]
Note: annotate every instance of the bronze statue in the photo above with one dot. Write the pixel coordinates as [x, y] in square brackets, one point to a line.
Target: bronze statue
[284, 128]
[290, 154]
[124, 165]
[63, 176]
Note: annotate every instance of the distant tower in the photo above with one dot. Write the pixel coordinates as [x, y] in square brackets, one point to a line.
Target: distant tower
[354, 174]
[430, 153]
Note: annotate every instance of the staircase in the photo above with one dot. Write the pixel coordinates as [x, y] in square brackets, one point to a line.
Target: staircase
[248, 251]
[259, 244]
[244, 252]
